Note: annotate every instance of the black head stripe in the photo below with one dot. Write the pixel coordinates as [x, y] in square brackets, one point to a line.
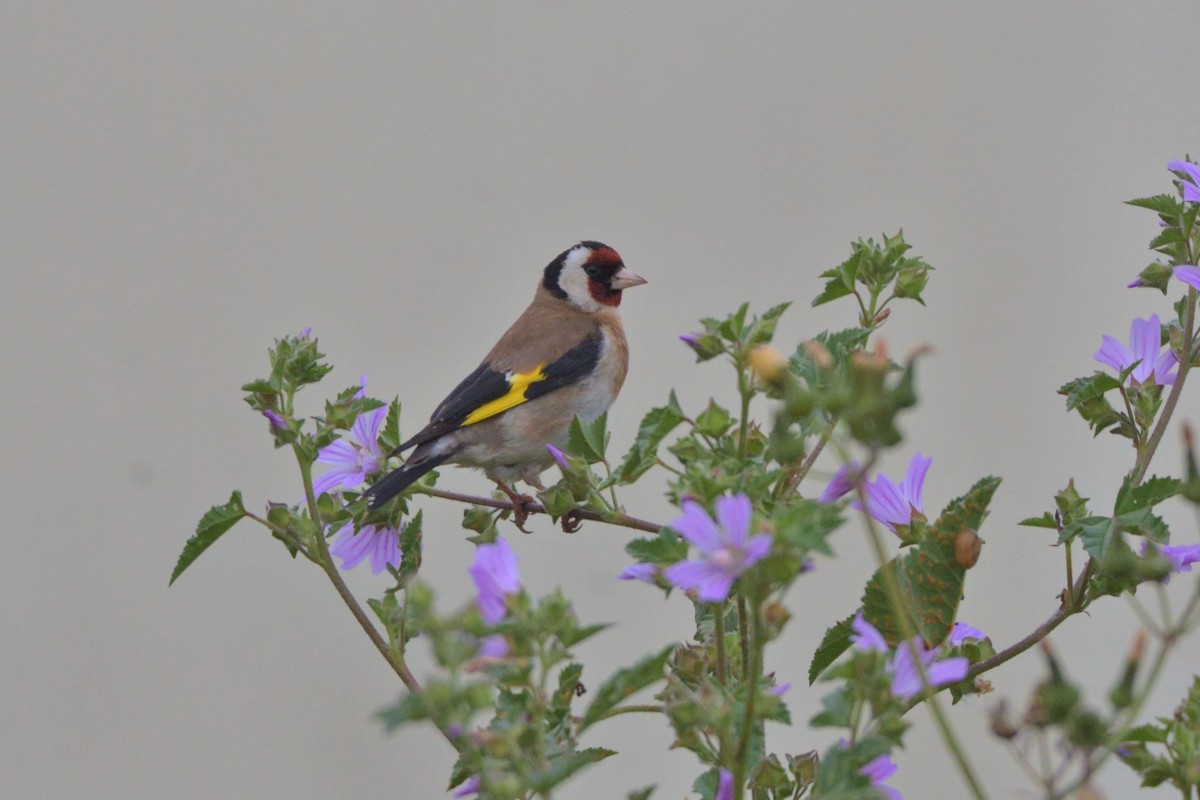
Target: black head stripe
[552, 273]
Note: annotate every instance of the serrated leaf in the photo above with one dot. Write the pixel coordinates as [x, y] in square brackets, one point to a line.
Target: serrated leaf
[624, 683]
[1143, 522]
[929, 573]
[835, 288]
[666, 548]
[214, 523]
[835, 642]
[1082, 390]
[389, 437]
[642, 794]
[1147, 733]
[1044, 521]
[410, 548]
[655, 427]
[1150, 493]
[1165, 204]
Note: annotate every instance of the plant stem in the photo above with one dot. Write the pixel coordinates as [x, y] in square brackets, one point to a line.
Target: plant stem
[751, 689]
[624, 520]
[900, 609]
[325, 561]
[1164, 417]
[719, 635]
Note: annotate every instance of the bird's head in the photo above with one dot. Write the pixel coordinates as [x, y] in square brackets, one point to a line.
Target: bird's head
[589, 276]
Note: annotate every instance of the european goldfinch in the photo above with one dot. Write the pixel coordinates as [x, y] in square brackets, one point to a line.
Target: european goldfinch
[565, 356]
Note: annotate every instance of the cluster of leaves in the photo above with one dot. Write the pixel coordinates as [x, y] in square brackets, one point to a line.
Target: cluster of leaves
[1179, 736]
[531, 743]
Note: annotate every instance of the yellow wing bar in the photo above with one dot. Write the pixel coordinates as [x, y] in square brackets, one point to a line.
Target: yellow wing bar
[518, 384]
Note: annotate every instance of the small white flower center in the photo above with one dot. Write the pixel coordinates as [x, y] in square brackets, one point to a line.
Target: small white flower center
[726, 558]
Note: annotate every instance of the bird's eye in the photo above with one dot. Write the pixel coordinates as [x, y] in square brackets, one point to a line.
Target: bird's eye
[592, 271]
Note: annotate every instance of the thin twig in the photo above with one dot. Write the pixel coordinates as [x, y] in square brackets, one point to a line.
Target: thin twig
[624, 520]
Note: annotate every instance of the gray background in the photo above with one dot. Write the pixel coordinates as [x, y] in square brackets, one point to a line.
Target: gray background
[183, 182]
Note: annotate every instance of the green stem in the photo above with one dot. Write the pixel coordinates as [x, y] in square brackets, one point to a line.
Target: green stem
[632, 709]
[745, 388]
[743, 637]
[900, 609]
[793, 478]
[394, 659]
[719, 635]
[751, 687]
[283, 535]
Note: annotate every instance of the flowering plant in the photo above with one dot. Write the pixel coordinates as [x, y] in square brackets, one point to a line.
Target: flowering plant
[508, 693]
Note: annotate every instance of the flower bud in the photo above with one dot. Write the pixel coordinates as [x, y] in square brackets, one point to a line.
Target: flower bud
[967, 545]
[768, 363]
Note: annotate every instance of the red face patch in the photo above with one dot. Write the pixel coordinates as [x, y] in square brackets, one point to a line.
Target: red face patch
[602, 294]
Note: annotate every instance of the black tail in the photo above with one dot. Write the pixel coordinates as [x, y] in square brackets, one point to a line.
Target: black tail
[401, 478]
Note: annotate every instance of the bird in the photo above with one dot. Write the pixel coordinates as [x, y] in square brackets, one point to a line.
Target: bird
[565, 356]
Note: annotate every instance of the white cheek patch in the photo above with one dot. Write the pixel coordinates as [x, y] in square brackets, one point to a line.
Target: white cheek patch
[574, 281]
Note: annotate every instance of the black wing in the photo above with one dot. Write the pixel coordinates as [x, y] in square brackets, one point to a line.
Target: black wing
[487, 392]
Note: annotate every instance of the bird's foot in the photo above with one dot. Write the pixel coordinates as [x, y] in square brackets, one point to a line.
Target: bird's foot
[521, 503]
[571, 521]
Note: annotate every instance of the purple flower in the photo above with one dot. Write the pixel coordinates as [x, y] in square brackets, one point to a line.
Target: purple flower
[780, 690]
[355, 457]
[1145, 342]
[866, 636]
[381, 544]
[906, 679]
[896, 505]
[879, 770]
[1182, 556]
[494, 646]
[495, 576]
[1188, 274]
[1191, 184]
[962, 631]
[725, 550]
[469, 786]
[559, 457]
[724, 785]
[842, 483]
[646, 573]
[690, 339]
[304, 334]
[277, 422]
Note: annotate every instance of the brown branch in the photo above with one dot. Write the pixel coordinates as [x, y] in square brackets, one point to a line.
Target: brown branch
[623, 520]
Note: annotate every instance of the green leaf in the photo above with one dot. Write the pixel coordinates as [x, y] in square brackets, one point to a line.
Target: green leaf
[565, 765]
[218, 520]
[410, 548]
[577, 635]
[1044, 521]
[1147, 733]
[1164, 204]
[389, 437]
[835, 288]
[655, 427]
[835, 642]
[1096, 533]
[1150, 493]
[929, 573]
[713, 421]
[589, 439]
[666, 548]
[642, 794]
[1082, 390]
[624, 683]
[410, 708]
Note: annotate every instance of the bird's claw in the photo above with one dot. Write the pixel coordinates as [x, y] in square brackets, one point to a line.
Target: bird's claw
[521, 511]
[571, 521]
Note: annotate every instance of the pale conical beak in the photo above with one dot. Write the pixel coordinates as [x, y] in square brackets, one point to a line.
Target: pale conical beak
[624, 279]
